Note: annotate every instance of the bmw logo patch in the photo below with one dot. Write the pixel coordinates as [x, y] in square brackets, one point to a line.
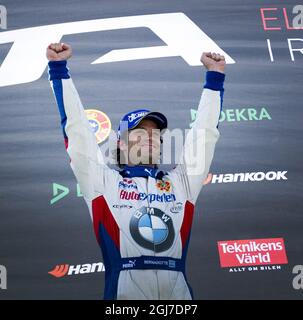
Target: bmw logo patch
[152, 229]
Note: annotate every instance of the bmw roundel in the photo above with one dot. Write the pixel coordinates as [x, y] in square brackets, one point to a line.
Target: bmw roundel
[152, 229]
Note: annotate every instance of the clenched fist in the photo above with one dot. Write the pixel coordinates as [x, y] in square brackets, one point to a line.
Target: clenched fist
[213, 61]
[58, 51]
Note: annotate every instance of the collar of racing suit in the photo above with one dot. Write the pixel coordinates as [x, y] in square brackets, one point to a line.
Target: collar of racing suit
[141, 171]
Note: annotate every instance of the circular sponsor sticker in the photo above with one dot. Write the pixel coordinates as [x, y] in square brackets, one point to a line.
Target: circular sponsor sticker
[152, 229]
[100, 124]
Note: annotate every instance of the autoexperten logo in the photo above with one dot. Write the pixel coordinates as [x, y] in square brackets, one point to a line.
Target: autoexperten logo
[150, 197]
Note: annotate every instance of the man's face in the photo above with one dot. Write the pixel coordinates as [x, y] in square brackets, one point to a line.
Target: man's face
[144, 143]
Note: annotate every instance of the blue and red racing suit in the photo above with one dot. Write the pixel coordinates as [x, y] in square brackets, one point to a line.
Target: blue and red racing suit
[142, 222]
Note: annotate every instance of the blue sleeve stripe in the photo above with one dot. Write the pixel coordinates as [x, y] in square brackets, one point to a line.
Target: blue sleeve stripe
[221, 105]
[58, 70]
[57, 85]
[214, 80]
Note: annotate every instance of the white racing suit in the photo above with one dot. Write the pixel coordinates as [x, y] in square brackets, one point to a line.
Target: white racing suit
[142, 224]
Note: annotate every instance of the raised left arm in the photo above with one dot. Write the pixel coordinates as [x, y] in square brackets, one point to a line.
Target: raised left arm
[201, 139]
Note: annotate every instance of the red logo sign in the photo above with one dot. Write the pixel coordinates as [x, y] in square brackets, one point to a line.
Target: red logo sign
[60, 271]
[164, 185]
[235, 253]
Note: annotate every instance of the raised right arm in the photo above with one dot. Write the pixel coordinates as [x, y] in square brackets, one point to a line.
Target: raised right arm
[86, 158]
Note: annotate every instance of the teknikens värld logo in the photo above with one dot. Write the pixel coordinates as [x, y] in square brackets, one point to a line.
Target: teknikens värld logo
[152, 229]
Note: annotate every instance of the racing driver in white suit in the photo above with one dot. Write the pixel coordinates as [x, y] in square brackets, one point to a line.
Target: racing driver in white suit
[141, 215]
